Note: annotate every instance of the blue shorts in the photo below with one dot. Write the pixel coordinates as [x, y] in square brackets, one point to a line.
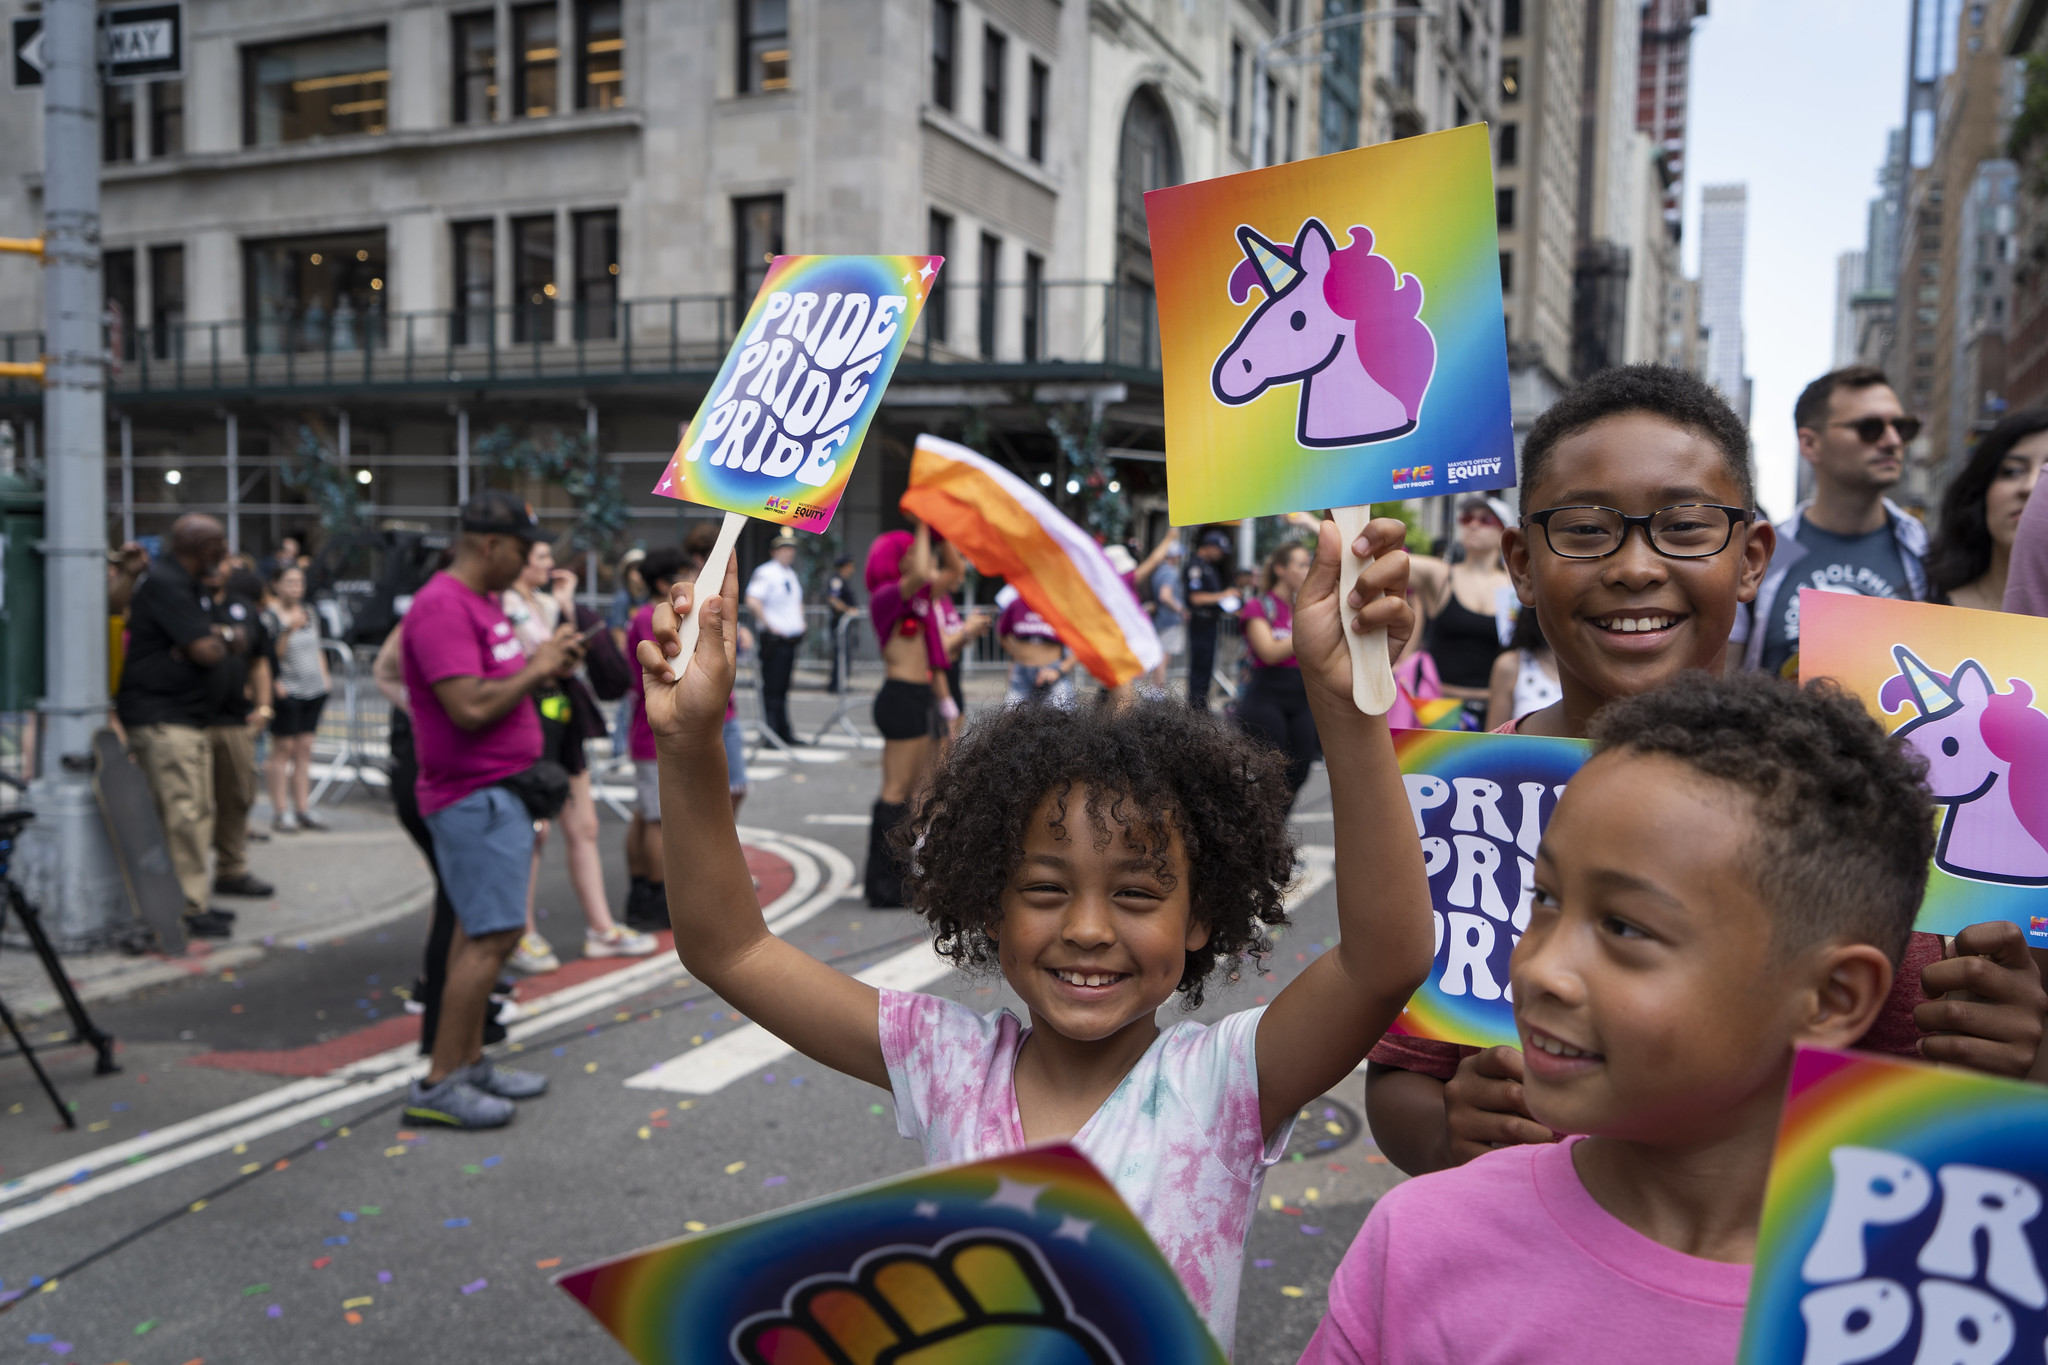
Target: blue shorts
[647, 782]
[483, 848]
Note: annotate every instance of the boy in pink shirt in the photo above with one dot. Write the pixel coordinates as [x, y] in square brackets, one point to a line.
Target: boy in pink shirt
[1735, 871]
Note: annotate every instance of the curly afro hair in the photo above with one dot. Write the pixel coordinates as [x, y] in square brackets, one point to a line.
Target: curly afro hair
[1678, 396]
[1844, 821]
[1152, 769]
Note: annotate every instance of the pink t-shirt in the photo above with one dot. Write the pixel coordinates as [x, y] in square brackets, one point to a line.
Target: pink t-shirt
[1508, 1259]
[453, 632]
[1276, 614]
[639, 734]
[1179, 1138]
[1024, 623]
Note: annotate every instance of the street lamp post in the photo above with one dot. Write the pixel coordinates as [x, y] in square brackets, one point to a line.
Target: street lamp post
[69, 862]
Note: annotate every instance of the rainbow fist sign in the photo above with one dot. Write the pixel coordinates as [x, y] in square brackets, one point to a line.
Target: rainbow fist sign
[1331, 331]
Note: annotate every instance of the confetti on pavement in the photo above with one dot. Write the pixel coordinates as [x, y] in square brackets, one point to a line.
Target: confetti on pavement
[323, 1263]
[346, 1216]
[775, 1180]
[1293, 1291]
[474, 1285]
[364, 1302]
[383, 1277]
[353, 1319]
[253, 1290]
[735, 1167]
[276, 1310]
[549, 1264]
[1263, 1265]
[693, 1226]
[455, 1223]
[142, 1328]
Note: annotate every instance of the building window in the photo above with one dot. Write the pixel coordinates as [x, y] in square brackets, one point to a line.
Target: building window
[117, 275]
[1271, 96]
[1507, 272]
[757, 241]
[318, 87]
[166, 118]
[939, 242]
[314, 293]
[1460, 115]
[601, 45]
[167, 299]
[764, 45]
[1510, 79]
[533, 278]
[1511, 18]
[117, 123]
[1464, 38]
[1236, 91]
[1510, 144]
[476, 67]
[1404, 56]
[1343, 61]
[1293, 118]
[476, 282]
[536, 38]
[991, 285]
[597, 274]
[1034, 306]
[1504, 207]
[1040, 95]
[945, 48]
[995, 63]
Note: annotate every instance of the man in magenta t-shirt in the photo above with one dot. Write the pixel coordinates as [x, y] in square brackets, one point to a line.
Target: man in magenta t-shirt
[469, 682]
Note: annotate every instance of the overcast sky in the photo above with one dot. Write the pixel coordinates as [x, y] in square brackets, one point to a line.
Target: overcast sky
[1795, 99]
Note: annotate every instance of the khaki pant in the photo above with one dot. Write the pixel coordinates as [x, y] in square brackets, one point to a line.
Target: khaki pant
[178, 761]
[234, 792]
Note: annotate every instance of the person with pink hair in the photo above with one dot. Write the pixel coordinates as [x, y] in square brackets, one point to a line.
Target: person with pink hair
[915, 701]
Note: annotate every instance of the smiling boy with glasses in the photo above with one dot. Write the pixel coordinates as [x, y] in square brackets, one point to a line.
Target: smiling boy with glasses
[1637, 551]
[1849, 537]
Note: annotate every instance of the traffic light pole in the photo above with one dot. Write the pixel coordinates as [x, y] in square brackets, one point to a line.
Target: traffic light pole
[71, 862]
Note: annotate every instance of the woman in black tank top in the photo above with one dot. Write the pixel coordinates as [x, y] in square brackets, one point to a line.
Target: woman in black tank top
[1457, 602]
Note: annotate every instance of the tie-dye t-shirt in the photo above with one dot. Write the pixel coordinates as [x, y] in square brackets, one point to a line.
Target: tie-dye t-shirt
[1179, 1138]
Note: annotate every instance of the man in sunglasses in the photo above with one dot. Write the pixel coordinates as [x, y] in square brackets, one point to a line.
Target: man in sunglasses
[1849, 538]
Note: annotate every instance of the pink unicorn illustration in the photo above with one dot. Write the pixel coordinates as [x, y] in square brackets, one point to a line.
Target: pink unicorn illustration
[1987, 763]
[1344, 324]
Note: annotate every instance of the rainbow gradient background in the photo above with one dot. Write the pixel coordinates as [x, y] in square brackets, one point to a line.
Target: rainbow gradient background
[1933, 1115]
[1850, 639]
[734, 490]
[1509, 760]
[1429, 203]
[678, 1303]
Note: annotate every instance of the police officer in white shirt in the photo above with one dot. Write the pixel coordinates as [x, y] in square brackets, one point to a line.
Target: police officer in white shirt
[777, 600]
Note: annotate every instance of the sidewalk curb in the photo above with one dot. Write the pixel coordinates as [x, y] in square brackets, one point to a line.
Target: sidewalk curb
[157, 970]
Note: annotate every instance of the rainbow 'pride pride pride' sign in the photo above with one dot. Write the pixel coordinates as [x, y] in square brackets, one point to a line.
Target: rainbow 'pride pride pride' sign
[1331, 331]
[1027, 1259]
[1480, 803]
[1902, 1224]
[778, 432]
[1963, 688]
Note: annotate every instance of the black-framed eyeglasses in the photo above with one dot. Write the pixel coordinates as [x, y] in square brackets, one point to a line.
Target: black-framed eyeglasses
[1686, 530]
[1870, 430]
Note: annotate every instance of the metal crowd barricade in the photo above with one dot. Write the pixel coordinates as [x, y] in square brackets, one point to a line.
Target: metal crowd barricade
[845, 636]
[355, 726]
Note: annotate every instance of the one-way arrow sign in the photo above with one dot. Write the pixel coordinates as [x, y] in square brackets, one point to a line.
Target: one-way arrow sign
[28, 53]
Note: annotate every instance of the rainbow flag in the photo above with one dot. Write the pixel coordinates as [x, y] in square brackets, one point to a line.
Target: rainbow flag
[1006, 527]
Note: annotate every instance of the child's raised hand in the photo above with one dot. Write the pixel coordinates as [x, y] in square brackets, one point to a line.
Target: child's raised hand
[1999, 1030]
[690, 707]
[1484, 1107]
[1379, 600]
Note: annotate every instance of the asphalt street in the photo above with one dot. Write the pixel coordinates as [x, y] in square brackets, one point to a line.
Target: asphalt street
[308, 1224]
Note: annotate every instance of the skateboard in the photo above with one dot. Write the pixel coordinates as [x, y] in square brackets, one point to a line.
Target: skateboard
[138, 838]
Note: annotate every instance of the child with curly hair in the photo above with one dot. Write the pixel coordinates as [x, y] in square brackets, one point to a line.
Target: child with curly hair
[1104, 860]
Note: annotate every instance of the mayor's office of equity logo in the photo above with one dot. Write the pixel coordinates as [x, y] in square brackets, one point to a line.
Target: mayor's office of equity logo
[1465, 470]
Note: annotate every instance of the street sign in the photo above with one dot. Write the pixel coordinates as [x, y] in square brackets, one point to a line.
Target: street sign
[142, 42]
[137, 43]
[28, 53]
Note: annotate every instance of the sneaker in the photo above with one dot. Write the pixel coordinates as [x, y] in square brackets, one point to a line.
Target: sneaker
[306, 821]
[534, 956]
[455, 1103]
[258, 835]
[412, 995]
[243, 884]
[207, 924]
[505, 1082]
[506, 1012]
[286, 823]
[618, 943]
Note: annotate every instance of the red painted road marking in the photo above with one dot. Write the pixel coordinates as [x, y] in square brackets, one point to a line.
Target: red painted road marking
[773, 876]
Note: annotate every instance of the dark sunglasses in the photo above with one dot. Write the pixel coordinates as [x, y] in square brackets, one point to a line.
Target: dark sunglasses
[1478, 515]
[1870, 430]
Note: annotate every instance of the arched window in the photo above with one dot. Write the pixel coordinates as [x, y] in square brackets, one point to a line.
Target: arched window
[1149, 159]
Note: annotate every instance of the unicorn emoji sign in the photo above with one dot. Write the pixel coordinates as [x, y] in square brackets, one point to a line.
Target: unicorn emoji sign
[1964, 688]
[1331, 331]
